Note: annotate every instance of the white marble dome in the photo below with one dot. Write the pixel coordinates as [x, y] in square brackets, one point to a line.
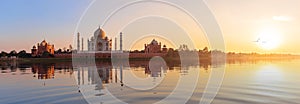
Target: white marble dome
[99, 33]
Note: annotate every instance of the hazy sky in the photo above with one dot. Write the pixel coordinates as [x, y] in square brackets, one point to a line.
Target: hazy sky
[26, 22]
[23, 23]
[242, 21]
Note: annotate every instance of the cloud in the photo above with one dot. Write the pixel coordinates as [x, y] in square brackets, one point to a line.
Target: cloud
[281, 18]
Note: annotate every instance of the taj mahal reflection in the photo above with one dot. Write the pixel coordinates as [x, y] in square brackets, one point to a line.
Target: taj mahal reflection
[104, 75]
[146, 77]
[109, 74]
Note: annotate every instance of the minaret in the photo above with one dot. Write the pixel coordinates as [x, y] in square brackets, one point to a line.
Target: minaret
[116, 44]
[78, 41]
[88, 44]
[81, 44]
[121, 45]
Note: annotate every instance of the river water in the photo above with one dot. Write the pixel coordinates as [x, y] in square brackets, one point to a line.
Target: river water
[247, 82]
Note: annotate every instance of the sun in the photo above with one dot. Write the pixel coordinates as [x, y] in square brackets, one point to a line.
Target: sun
[269, 39]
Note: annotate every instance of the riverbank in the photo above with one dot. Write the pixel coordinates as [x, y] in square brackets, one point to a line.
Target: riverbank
[201, 59]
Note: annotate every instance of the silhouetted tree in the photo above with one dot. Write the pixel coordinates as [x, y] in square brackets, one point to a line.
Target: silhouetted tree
[64, 50]
[23, 54]
[3, 54]
[59, 51]
[70, 47]
[205, 50]
[183, 47]
[46, 54]
[12, 53]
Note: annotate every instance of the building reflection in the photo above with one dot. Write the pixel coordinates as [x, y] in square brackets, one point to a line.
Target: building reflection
[47, 70]
[43, 71]
[94, 76]
[156, 67]
[89, 75]
[105, 73]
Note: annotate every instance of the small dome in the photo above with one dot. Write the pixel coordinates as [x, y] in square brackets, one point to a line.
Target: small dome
[165, 46]
[34, 47]
[43, 43]
[154, 42]
[100, 33]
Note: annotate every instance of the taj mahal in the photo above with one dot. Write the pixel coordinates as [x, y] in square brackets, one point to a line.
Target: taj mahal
[102, 45]
[99, 42]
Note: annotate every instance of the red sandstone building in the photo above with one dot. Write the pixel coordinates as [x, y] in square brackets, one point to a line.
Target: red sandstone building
[155, 47]
[41, 48]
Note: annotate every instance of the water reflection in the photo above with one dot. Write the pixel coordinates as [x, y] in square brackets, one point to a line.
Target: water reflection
[43, 72]
[144, 80]
[244, 81]
[109, 74]
[253, 81]
[38, 83]
[38, 70]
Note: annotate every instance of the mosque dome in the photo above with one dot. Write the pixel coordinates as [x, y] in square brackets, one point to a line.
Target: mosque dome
[43, 43]
[100, 33]
[154, 42]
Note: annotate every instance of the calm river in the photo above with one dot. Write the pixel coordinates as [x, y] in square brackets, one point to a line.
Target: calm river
[246, 82]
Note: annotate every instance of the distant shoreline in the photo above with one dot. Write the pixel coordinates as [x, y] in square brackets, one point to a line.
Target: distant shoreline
[206, 59]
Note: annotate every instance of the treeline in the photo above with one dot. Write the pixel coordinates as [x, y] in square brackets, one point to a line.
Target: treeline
[24, 54]
[233, 55]
[14, 54]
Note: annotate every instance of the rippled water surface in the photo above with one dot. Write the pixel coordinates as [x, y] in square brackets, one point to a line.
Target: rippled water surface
[247, 82]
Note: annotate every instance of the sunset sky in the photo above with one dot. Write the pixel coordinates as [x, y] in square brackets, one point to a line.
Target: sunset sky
[264, 26]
